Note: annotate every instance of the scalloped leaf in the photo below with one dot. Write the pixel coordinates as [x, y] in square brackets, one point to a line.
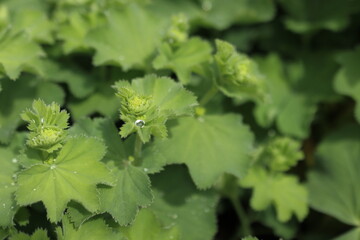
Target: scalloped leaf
[39, 234]
[73, 176]
[166, 99]
[132, 186]
[128, 39]
[19, 53]
[282, 190]
[209, 146]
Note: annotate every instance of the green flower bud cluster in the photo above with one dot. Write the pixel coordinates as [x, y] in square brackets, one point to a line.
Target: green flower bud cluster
[47, 125]
[178, 31]
[281, 153]
[237, 75]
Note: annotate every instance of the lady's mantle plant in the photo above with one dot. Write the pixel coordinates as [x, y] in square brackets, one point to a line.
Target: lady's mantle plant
[172, 132]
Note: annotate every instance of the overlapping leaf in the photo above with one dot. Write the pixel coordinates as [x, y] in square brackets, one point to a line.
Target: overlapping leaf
[184, 58]
[39, 234]
[17, 96]
[178, 203]
[284, 191]
[128, 39]
[209, 146]
[132, 187]
[73, 176]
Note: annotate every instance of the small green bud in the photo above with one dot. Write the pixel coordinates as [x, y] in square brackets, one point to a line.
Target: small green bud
[47, 126]
[237, 75]
[178, 31]
[282, 153]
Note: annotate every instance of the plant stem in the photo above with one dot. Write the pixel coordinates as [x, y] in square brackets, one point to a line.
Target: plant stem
[208, 95]
[245, 223]
[137, 148]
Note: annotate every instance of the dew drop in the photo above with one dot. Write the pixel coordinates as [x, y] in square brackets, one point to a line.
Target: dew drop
[52, 166]
[42, 120]
[12, 184]
[14, 160]
[34, 189]
[75, 172]
[145, 169]
[4, 205]
[140, 123]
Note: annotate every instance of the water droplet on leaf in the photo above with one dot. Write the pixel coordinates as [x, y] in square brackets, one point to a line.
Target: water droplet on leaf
[14, 160]
[140, 123]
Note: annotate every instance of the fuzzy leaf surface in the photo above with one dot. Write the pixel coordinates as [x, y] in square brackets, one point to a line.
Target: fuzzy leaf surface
[209, 146]
[73, 176]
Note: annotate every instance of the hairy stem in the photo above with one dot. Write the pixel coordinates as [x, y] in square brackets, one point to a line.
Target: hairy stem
[244, 220]
[137, 148]
[208, 95]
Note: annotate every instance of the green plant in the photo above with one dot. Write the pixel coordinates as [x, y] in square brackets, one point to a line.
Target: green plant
[181, 119]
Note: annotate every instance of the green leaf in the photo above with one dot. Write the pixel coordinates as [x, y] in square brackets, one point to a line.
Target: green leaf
[333, 183]
[282, 99]
[128, 39]
[93, 229]
[132, 187]
[47, 126]
[73, 176]
[347, 79]
[75, 29]
[178, 203]
[221, 14]
[350, 235]
[131, 191]
[19, 95]
[8, 170]
[147, 227]
[34, 23]
[39, 234]
[152, 100]
[183, 58]
[209, 146]
[3, 233]
[283, 191]
[236, 74]
[19, 53]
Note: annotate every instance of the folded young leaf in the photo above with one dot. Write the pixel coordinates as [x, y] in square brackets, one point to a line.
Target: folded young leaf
[147, 103]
